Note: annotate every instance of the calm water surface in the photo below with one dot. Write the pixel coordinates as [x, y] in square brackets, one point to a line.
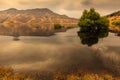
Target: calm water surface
[62, 50]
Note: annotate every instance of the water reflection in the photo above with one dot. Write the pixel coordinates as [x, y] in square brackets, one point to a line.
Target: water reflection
[91, 36]
[61, 51]
[118, 34]
[26, 30]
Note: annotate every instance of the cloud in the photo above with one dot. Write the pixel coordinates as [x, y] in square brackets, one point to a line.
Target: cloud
[86, 2]
[39, 3]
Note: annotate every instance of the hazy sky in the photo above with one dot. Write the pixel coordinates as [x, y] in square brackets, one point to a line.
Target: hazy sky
[72, 8]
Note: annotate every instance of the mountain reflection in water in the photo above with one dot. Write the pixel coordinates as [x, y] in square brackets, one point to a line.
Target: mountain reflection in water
[60, 51]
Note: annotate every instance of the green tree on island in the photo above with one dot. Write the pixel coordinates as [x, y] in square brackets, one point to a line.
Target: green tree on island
[92, 27]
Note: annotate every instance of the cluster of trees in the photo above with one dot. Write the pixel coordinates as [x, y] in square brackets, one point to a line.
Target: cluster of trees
[92, 27]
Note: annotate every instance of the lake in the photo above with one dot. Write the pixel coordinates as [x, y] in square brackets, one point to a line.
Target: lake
[60, 51]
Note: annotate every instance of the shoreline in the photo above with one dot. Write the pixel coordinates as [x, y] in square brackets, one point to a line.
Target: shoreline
[44, 34]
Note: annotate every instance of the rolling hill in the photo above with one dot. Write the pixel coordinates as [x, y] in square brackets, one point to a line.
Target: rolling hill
[113, 18]
[32, 22]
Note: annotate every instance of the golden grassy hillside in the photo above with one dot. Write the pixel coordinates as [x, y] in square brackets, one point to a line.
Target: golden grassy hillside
[114, 19]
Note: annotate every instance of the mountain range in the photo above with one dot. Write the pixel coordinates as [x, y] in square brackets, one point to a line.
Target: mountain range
[39, 21]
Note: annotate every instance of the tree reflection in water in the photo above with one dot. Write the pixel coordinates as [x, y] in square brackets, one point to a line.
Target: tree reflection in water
[92, 37]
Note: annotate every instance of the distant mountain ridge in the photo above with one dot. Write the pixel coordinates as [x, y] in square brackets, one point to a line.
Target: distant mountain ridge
[117, 13]
[39, 21]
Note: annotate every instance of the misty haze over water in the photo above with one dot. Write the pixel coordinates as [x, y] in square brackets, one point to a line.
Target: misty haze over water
[62, 50]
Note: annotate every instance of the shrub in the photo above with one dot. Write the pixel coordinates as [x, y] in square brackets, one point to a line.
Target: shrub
[116, 23]
[7, 73]
[91, 21]
[69, 27]
[57, 26]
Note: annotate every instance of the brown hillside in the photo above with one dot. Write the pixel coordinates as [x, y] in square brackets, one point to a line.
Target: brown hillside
[32, 21]
[114, 17]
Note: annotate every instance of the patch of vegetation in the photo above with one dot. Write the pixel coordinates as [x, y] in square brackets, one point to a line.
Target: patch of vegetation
[69, 27]
[9, 74]
[92, 27]
[86, 76]
[91, 21]
[116, 23]
[57, 26]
